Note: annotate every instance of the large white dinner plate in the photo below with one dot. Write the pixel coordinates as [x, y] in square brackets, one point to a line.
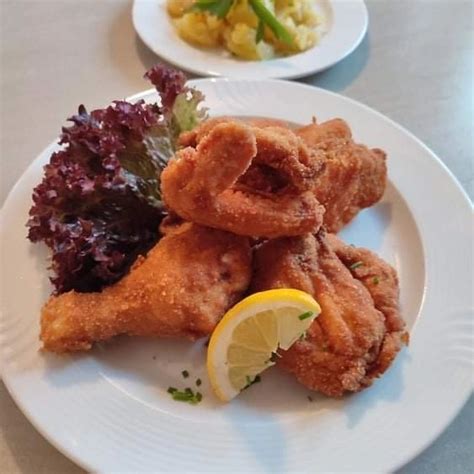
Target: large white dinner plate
[108, 409]
[345, 23]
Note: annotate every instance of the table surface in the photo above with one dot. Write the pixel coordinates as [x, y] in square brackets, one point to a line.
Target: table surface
[415, 65]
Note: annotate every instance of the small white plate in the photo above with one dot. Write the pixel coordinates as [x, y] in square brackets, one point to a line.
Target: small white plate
[108, 409]
[344, 20]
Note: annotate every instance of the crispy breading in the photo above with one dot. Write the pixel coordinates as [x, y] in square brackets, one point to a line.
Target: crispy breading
[354, 175]
[204, 185]
[349, 176]
[181, 288]
[194, 136]
[359, 331]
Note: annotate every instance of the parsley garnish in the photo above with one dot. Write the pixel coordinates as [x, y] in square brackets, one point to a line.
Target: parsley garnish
[185, 396]
[356, 265]
[306, 315]
[376, 280]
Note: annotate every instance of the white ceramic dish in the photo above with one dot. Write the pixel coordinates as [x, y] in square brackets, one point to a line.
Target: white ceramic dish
[108, 409]
[345, 22]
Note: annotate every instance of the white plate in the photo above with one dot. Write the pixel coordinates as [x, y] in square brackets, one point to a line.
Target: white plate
[108, 409]
[344, 20]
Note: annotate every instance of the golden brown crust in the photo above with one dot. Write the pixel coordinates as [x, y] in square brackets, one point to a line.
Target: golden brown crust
[354, 176]
[205, 185]
[349, 176]
[359, 331]
[182, 288]
[193, 137]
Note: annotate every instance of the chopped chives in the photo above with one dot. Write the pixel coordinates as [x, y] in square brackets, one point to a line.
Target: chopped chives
[181, 397]
[185, 374]
[185, 396]
[306, 315]
[356, 265]
[376, 280]
[198, 382]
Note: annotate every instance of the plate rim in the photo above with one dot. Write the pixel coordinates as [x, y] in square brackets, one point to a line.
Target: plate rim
[464, 198]
[297, 74]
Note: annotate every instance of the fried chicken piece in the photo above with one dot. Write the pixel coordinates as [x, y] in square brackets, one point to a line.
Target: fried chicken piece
[194, 136]
[181, 288]
[354, 176]
[359, 331]
[350, 176]
[205, 185]
[262, 122]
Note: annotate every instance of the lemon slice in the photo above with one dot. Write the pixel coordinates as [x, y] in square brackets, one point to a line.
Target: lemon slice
[249, 334]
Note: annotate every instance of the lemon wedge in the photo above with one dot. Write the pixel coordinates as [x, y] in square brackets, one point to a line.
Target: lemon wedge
[250, 333]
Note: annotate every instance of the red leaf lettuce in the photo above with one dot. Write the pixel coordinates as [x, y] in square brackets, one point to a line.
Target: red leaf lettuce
[99, 204]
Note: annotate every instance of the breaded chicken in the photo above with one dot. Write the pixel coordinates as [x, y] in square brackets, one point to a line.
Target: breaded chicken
[204, 184]
[349, 176]
[359, 331]
[194, 136]
[354, 176]
[181, 288]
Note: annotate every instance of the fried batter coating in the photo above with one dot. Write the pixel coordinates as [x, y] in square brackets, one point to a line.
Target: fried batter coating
[180, 289]
[206, 185]
[354, 176]
[359, 331]
[194, 136]
[350, 176]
